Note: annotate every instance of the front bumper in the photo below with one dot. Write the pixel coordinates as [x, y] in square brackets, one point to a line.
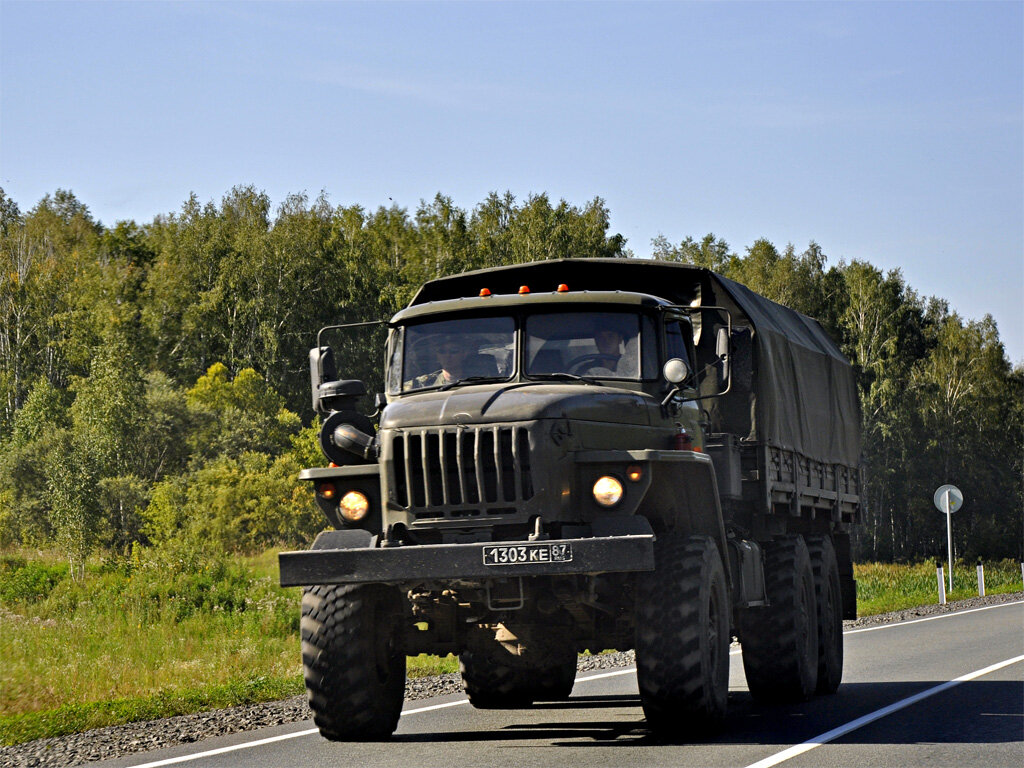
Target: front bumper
[414, 564]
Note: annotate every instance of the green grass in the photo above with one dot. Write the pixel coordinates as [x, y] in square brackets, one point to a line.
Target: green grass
[173, 632]
[76, 717]
[884, 587]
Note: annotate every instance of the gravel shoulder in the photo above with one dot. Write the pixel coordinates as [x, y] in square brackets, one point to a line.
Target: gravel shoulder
[116, 741]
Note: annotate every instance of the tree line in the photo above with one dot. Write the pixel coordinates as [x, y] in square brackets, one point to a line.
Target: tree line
[154, 386]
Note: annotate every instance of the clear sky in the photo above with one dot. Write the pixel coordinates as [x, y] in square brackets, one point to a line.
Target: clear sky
[890, 132]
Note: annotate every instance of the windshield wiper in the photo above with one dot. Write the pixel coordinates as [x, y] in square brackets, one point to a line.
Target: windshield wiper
[565, 376]
[467, 380]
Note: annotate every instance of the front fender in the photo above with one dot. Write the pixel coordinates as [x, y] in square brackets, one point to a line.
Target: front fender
[678, 492]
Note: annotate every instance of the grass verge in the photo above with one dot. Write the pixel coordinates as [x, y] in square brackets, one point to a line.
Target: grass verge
[75, 717]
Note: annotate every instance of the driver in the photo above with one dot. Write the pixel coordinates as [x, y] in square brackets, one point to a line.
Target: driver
[609, 342]
[451, 358]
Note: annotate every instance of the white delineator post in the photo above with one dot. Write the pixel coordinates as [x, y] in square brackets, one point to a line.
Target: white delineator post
[942, 583]
[981, 579]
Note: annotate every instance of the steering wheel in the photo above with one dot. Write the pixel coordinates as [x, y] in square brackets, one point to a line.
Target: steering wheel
[593, 360]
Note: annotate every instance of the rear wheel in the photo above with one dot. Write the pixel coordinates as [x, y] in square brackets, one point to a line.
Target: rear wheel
[556, 682]
[828, 594]
[353, 660]
[490, 681]
[682, 637]
[496, 679]
[780, 640]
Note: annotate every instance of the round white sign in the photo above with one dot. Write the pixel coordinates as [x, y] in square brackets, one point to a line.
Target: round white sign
[956, 499]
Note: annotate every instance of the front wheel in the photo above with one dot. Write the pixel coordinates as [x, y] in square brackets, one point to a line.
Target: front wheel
[353, 660]
[682, 637]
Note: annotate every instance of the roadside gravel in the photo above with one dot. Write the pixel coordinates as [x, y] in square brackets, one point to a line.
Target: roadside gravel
[116, 741]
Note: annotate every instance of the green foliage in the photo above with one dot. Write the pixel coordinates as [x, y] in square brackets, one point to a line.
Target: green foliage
[243, 415]
[249, 502]
[24, 505]
[142, 365]
[28, 581]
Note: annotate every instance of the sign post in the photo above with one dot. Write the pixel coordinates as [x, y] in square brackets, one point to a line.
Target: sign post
[948, 500]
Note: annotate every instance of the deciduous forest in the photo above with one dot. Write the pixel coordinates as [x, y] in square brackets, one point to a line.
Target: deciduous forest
[154, 384]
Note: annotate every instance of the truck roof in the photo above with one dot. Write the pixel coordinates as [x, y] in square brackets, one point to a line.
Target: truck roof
[516, 301]
[792, 385]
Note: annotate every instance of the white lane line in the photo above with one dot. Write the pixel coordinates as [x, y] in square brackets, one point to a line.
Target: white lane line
[860, 722]
[628, 671]
[616, 673]
[222, 750]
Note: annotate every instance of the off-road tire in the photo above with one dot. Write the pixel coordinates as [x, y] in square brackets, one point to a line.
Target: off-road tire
[780, 640]
[682, 637]
[555, 682]
[828, 594]
[353, 660]
[491, 682]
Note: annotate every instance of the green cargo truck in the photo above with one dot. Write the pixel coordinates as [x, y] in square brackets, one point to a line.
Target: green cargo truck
[583, 454]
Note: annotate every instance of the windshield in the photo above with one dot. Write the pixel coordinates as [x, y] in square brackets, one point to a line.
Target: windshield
[441, 353]
[589, 345]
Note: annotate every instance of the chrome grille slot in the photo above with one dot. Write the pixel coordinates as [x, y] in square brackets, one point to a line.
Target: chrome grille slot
[461, 473]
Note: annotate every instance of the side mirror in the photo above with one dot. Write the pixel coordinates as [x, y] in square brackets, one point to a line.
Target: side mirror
[722, 353]
[675, 371]
[321, 369]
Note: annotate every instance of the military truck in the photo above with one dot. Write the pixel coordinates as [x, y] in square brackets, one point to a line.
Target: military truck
[583, 454]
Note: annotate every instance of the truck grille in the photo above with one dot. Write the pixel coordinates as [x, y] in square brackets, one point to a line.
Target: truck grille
[461, 472]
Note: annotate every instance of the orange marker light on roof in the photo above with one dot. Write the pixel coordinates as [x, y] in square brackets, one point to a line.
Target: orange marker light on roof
[524, 289]
[563, 288]
[485, 292]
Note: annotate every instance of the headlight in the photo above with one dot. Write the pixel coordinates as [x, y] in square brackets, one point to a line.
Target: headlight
[354, 506]
[607, 491]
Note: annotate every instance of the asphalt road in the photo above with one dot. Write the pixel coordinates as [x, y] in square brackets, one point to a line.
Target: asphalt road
[947, 690]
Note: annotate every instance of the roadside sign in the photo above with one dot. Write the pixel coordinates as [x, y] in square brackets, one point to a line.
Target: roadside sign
[956, 499]
[948, 500]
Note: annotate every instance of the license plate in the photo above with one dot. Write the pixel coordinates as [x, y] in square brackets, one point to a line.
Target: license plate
[518, 554]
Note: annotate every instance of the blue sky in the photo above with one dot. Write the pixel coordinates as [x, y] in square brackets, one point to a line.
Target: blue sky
[889, 132]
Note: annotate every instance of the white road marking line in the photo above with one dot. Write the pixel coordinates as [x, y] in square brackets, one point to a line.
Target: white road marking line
[629, 671]
[222, 750]
[860, 722]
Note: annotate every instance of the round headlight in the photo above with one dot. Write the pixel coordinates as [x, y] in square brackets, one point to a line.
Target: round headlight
[354, 506]
[607, 491]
